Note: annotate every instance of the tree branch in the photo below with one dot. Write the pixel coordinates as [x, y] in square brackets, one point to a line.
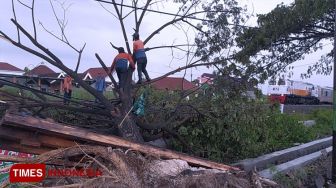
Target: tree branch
[122, 26]
[18, 31]
[138, 23]
[54, 60]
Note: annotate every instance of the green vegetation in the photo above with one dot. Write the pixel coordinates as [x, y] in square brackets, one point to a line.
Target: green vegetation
[287, 34]
[253, 130]
[77, 93]
[232, 127]
[80, 93]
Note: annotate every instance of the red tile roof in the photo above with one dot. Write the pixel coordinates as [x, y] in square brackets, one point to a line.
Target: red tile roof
[94, 72]
[41, 70]
[8, 67]
[173, 83]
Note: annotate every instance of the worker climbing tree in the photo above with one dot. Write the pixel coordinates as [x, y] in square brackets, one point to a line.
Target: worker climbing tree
[140, 57]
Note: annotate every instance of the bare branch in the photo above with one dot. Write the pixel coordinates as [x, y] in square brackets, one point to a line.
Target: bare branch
[108, 10]
[58, 38]
[18, 32]
[138, 23]
[121, 8]
[192, 25]
[135, 4]
[62, 24]
[177, 46]
[191, 65]
[79, 57]
[115, 47]
[161, 12]
[54, 60]
[33, 18]
[24, 4]
[122, 26]
[161, 28]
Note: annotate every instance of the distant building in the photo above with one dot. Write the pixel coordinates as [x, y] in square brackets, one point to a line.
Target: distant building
[44, 78]
[8, 69]
[9, 72]
[40, 70]
[173, 84]
[206, 78]
[92, 74]
[55, 84]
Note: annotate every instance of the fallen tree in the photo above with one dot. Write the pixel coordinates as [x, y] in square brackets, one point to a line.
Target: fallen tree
[188, 16]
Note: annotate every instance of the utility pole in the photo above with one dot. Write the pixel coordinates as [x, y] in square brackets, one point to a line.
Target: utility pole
[334, 107]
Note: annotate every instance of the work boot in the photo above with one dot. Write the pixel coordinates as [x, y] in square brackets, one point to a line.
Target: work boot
[148, 79]
[139, 82]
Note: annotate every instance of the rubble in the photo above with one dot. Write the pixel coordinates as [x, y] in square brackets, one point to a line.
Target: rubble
[124, 168]
[123, 163]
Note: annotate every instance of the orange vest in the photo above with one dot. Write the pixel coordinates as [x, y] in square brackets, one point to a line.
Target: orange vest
[67, 84]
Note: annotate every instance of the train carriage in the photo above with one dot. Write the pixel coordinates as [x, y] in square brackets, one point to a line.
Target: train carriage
[325, 95]
[297, 92]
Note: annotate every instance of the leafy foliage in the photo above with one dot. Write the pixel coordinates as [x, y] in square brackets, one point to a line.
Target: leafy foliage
[286, 35]
[236, 127]
[216, 41]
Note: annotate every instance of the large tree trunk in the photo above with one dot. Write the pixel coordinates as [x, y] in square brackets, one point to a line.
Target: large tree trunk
[127, 127]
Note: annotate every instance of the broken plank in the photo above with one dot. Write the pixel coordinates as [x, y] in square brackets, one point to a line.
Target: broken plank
[31, 138]
[8, 145]
[24, 137]
[82, 134]
[55, 142]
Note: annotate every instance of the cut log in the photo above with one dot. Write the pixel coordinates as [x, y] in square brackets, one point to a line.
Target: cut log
[84, 135]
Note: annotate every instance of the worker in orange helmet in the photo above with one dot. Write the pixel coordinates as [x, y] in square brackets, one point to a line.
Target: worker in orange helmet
[121, 63]
[140, 57]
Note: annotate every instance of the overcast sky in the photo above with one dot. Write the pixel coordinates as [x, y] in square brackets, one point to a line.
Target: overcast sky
[89, 23]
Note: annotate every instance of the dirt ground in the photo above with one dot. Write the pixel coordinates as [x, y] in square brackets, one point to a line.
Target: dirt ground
[317, 174]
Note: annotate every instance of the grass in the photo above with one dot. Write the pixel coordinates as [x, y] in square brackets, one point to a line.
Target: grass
[77, 93]
[80, 93]
[323, 118]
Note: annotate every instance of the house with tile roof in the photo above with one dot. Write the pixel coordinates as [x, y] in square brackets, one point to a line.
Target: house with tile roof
[8, 69]
[173, 84]
[40, 70]
[92, 74]
[45, 78]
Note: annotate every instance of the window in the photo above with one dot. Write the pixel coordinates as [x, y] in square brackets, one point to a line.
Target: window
[326, 93]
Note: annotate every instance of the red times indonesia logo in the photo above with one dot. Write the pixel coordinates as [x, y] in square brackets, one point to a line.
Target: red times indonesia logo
[37, 173]
[27, 173]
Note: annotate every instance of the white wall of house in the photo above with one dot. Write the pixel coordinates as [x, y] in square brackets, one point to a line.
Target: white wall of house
[19, 73]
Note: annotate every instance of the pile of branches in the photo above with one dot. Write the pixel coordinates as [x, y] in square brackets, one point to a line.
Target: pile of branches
[126, 168]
